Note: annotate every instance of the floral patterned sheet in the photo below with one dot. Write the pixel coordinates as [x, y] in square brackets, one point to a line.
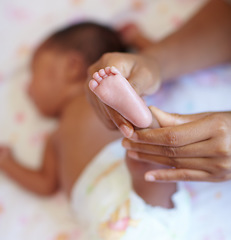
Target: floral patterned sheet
[24, 23]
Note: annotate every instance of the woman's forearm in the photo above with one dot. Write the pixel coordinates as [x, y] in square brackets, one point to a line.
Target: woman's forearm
[202, 42]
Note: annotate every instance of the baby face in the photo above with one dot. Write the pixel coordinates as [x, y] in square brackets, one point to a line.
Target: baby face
[49, 85]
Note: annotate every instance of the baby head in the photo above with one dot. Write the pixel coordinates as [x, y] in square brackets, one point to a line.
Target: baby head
[59, 65]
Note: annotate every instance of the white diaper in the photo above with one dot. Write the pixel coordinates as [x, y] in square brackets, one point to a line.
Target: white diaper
[103, 201]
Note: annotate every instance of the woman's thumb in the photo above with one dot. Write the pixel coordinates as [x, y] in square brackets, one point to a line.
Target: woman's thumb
[172, 119]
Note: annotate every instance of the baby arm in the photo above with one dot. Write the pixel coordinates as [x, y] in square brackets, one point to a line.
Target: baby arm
[43, 181]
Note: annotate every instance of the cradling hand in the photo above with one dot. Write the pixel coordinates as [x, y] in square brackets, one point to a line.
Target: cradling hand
[197, 147]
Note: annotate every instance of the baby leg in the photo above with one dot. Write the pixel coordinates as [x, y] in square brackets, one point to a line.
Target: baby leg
[155, 194]
[115, 91]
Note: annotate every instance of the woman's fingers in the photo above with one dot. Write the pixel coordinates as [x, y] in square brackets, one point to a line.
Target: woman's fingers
[179, 175]
[200, 149]
[176, 136]
[187, 162]
[120, 122]
[205, 164]
[172, 119]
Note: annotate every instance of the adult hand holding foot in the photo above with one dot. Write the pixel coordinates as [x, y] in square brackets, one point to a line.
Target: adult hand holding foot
[197, 147]
[139, 70]
[173, 56]
[200, 150]
[114, 90]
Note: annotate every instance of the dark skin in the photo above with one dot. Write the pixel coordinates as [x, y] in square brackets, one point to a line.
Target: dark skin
[197, 146]
[57, 88]
[183, 141]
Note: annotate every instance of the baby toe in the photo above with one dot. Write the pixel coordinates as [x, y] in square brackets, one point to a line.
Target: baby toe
[93, 84]
[108, 70]
[102, 73]
[97, 77]
[114, 70]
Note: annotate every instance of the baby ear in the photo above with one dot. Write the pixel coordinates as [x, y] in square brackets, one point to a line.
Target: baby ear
[77, 69]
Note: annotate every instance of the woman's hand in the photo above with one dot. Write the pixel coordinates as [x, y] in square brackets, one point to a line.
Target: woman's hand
[142, 73]
[197, 147]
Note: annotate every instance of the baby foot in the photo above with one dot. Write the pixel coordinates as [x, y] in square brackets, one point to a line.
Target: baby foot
[115, 91]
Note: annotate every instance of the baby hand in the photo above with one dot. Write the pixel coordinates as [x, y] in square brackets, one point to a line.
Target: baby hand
[5, 156]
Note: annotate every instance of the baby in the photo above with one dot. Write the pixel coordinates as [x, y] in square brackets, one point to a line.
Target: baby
[59, 70]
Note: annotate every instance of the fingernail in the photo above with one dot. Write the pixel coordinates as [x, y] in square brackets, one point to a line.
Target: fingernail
[134, 136]
[126, 131]
[132, 154]
[149, 178]
[125, 143]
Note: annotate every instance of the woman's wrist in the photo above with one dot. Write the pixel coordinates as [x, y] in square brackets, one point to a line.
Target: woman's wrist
[151, 71]
[161, 55]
